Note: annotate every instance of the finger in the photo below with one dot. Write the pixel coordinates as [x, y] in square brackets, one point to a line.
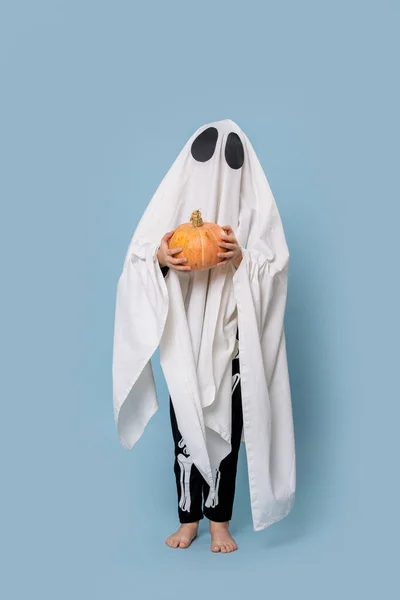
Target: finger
[227, 245]
[228, 238]
[176, 261]
[223, 262]
[226, 255]
[168, 236]
[178, 268]
[228, 229]
[174, 251]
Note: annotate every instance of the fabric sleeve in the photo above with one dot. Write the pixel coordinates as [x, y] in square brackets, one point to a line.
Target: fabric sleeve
[267, 285]
[141, 312]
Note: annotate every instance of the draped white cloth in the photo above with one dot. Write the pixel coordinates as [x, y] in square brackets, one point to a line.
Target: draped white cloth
[194, 316]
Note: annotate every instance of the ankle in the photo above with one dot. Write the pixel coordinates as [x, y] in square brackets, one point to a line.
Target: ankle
[219, 524]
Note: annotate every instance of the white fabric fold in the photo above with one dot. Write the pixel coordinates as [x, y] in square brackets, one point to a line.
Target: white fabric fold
[141, 292]
[266, 398]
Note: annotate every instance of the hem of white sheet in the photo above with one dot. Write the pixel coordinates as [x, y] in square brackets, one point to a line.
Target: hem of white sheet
[277, 518]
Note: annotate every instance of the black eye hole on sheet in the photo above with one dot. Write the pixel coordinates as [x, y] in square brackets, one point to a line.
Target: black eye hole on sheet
[234, 153]
[203, 146]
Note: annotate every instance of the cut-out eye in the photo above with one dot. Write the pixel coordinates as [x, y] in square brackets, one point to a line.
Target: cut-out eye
[203, 146]
[234, 152]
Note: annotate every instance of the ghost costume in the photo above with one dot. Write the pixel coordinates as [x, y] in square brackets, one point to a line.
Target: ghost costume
[193, 317]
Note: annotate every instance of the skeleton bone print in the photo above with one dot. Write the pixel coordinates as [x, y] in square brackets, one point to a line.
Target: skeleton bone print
[236, 373]
[185, 464]
[212, 502]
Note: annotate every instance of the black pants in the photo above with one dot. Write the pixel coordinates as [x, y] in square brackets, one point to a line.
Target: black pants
[192, 489]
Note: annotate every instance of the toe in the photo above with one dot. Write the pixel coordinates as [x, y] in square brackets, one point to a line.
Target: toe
[215, 548]
[183, 544]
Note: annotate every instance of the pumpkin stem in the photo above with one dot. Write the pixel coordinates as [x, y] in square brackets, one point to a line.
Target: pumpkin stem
[196, 219]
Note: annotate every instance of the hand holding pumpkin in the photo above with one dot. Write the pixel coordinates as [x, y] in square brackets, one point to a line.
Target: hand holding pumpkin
[199, 246]
[166, 256]
[232, 251]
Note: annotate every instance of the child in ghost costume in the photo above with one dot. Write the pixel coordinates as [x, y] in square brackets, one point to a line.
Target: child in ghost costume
[206, 323]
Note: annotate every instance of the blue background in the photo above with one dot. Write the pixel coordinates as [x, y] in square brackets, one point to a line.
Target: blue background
[97, 100]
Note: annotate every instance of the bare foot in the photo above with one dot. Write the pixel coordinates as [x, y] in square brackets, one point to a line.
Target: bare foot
[221, 539]
[184, 536]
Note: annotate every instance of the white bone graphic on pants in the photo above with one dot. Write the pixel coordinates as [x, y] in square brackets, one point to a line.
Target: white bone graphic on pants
[236, 376]
[210, 502]
[185, 464]
[235, 381]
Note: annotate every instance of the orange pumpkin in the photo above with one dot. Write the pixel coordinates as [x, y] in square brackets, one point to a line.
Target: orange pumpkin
[199, 242]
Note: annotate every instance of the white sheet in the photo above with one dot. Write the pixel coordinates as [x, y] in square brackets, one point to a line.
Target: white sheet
[193, 318]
